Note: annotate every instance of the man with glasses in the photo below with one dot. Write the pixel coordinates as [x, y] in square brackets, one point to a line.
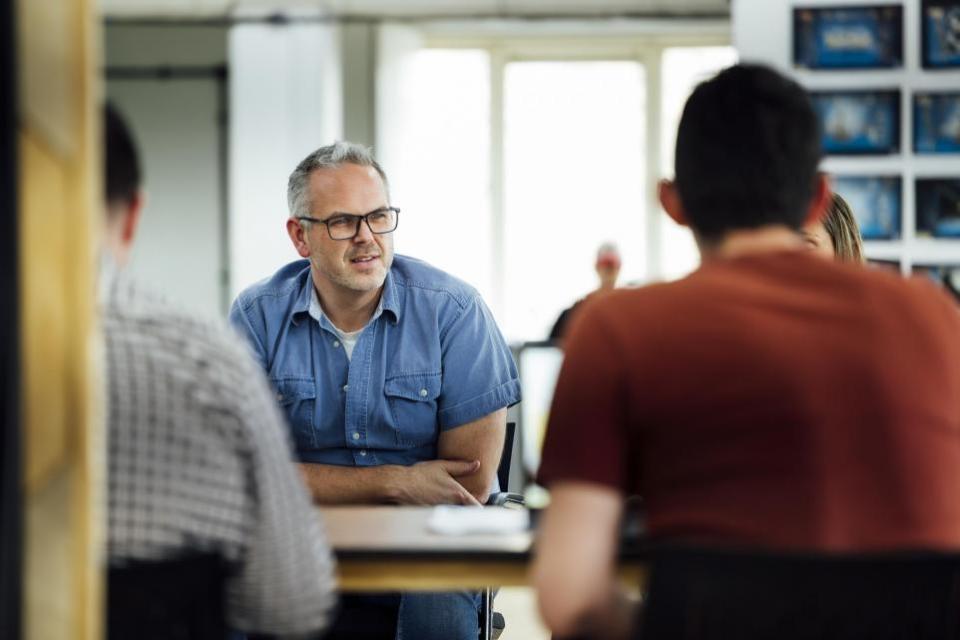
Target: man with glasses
[393, 374]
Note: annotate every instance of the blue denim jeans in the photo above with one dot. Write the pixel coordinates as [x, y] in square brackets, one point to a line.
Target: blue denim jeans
[438, 616]
[408, 616]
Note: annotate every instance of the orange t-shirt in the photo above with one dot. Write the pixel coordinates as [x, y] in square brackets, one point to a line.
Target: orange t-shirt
[776, 400]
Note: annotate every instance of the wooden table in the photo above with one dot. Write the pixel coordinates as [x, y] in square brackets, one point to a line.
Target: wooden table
[391, 549]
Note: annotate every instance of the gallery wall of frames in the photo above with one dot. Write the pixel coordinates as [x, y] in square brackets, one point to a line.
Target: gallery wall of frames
[884, 77]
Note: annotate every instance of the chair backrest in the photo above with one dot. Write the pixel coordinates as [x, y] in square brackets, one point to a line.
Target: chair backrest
[180, 599]
[698, 594]
[503, 471]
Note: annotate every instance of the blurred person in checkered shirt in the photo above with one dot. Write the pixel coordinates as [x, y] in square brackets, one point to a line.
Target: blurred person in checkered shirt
[199, 457]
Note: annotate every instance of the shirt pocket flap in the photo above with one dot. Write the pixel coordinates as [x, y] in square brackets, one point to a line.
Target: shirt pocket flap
[417, 387]
[289, 391]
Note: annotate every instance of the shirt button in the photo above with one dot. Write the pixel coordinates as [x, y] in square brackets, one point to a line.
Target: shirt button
[346, 387]
[363, 452]
[356, 436]
[423, 393]
[336, 344]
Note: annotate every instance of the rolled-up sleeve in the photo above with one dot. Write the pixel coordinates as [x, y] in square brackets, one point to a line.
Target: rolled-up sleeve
[479, 373]
[253, 333]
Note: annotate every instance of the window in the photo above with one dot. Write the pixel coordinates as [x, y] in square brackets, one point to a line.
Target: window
[573, 162]
[682, 69]
[513, 160]
[443, 184]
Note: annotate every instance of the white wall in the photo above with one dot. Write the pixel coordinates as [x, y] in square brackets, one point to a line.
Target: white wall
[285, 101]
[178, 249]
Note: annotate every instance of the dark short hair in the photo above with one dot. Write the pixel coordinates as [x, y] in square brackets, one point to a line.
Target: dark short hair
[748, 148]
[328, 157]
[121, 173]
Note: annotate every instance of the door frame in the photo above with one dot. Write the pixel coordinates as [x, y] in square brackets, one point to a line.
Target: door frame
[221, 75]
[11, 497]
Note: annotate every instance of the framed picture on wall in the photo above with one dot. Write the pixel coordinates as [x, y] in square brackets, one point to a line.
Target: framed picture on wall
[936, 122]
[940, 42]
[848, 37]
[938, 207]
[876, 204]
[859, 122]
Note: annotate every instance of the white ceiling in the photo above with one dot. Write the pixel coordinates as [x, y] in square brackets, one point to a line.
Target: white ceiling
[412, 8]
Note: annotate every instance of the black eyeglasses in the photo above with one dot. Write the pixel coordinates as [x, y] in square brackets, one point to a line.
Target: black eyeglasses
[346, 226]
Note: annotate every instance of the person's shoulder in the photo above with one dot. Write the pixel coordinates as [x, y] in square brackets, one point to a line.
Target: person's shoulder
[179, 352]
[129, 304]
[882, 281]
[283, 284]
[604, 311]
[886, 294]
[136, 311]
[648, 296]
[420, 277]
[916, 293]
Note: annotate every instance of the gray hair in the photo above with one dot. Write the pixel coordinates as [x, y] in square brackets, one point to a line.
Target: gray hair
[328, 157]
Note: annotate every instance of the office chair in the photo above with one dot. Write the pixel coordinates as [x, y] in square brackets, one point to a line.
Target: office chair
[491, 622]
[160, 600]
[697, 594]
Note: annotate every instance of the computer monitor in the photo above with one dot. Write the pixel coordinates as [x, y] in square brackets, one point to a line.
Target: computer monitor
[539, 364]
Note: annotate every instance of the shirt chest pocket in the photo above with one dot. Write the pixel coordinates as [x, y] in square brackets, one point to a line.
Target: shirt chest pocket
[298, 400]
[412, 400]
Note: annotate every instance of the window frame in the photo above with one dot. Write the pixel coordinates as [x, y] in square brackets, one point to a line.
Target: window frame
[641, 42]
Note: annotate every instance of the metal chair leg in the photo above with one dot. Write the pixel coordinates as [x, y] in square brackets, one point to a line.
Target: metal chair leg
[486, 615]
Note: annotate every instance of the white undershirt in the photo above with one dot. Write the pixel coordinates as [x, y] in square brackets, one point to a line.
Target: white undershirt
[347, 339]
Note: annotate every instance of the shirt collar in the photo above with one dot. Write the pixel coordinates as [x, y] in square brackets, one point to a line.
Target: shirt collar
[389, 301]
[108, 273]
[308, 302]
[302, 304]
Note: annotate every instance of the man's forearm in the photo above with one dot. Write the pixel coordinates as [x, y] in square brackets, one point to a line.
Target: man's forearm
[332, 484]
[424, 483]
[480, 440]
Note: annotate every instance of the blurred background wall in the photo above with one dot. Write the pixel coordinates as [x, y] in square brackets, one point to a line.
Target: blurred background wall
[171, 82]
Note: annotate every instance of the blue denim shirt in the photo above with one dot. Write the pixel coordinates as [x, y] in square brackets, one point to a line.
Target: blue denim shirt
[431, 359]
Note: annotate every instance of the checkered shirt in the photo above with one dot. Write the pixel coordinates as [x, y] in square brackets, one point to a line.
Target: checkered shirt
[199, 461]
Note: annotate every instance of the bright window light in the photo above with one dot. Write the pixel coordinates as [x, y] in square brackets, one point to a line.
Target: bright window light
[682, 69]
[573, 179]
[443, 183]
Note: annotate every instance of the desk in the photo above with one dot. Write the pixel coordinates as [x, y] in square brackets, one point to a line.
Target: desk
[390, 549]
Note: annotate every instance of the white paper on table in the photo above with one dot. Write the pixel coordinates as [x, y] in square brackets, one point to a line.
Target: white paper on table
[452, 520]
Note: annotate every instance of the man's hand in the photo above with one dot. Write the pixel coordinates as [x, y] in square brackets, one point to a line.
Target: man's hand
[433, 482]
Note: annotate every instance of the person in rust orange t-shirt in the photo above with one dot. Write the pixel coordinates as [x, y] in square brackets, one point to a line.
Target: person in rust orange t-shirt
[773, 399]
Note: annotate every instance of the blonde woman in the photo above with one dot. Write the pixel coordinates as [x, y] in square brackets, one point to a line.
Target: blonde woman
[837, 234]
